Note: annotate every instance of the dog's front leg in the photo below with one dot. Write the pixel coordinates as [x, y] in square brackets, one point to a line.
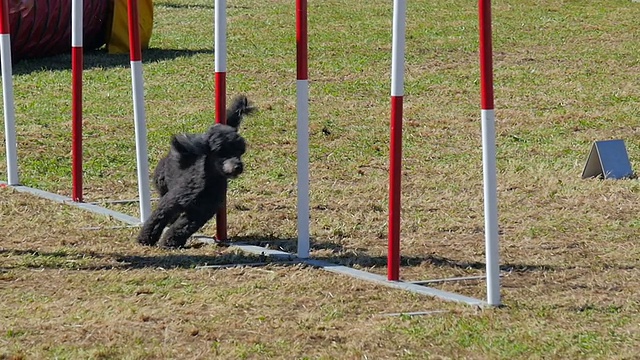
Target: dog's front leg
[165, 213]
[186, 225]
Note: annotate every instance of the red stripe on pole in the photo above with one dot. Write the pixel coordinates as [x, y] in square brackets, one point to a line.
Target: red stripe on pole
[395, 167]
[221, 118]
[76, 118]
[134, 31]
[5, 27]
[302, 40]
[221, 96]
[221, 222]
[486, 63]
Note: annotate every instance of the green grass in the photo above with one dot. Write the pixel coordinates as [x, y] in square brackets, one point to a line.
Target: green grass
[564, 75]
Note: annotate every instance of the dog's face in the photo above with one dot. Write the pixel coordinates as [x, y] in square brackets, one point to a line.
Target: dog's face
[222, 148]
[226, 150]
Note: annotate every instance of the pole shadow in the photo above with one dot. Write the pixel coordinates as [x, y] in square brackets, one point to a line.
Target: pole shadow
[94, 59]
[172, 259]
[359, 257]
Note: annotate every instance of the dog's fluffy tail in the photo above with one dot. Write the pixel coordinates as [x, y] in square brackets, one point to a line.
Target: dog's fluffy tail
[238, 109]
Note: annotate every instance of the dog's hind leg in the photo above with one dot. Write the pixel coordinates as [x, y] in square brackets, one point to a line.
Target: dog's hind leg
[165, 213]
[185, 226]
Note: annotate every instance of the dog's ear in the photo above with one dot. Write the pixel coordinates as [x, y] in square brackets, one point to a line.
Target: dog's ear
[215, 138]
[188, 145]
[240, 107]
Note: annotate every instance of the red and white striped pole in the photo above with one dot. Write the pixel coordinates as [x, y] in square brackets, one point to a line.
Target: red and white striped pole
[7, 95]
[77, 64]
[489, 154]
[220, 50]
[395, 163]
[137, 84]
[302, 105]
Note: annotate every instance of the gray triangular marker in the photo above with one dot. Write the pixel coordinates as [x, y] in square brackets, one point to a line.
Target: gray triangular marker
[608, 159]
[592, 168]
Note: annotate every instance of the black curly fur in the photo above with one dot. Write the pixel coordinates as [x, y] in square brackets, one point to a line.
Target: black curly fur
[192, 179]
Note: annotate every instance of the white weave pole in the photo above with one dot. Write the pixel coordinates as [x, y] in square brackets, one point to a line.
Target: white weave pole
[302, 105]
[7, 96]
[137, 84]
[489, 168]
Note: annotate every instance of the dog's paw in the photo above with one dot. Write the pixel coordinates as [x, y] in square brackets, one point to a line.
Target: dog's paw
[170, 244]
[145, 241]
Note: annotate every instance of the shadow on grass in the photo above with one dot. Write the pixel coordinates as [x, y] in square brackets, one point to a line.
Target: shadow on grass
[359, 257]
[172, 259]
[169, 5]
[91, 260]
[364, 260]
[100, 59]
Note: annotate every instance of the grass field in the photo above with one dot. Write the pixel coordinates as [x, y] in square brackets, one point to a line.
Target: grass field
[565, 76]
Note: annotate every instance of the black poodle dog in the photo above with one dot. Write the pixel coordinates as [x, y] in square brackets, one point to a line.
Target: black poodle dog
[192, 179]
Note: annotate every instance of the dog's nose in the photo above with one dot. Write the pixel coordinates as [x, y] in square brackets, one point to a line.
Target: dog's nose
[233, 168]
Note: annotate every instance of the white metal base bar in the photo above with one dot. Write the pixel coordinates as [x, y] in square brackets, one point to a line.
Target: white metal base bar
[363, 275]
[436, 281]
[97, 228]
[120, 202]
[463, 278]
[66, 200]
[277, 254]
[417, 313]
[241, 265]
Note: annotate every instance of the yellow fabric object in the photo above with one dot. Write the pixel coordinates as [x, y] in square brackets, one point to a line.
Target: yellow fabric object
[118, 34]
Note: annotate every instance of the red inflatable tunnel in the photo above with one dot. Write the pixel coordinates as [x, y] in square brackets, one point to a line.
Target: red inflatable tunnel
[43, 27]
